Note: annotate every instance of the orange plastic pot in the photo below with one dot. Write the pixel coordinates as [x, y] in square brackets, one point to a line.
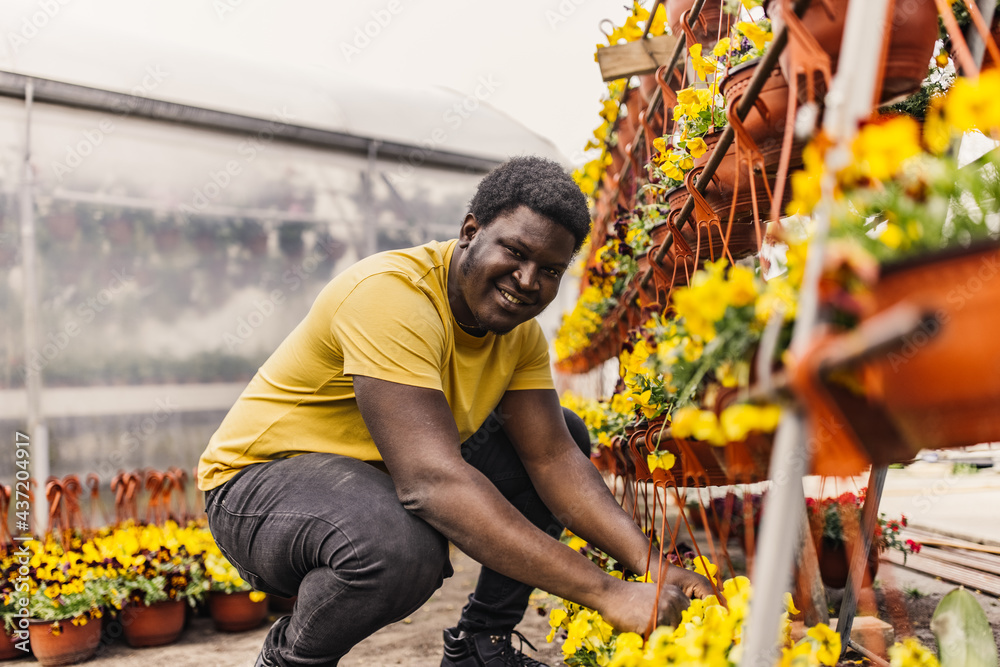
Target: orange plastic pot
[911, 34]
[712, 22]
[942, 388]
[236, 612]
[834, 564]
[938, 388]
[8, 651]
[73, 643]
[158, 624]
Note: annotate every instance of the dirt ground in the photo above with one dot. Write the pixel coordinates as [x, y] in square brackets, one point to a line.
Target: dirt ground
[416, 641]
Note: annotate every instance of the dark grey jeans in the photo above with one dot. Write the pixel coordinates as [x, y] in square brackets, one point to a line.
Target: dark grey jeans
[331, 530]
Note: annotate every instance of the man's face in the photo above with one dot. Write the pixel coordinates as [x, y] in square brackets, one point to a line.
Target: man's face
[509, 270]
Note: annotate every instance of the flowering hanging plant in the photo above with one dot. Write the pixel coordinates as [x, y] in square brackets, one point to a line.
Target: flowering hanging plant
[701, 109]
[837, 520]
[901, 192]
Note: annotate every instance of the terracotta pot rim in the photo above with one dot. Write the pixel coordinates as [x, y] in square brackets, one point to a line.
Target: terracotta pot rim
[743, 66]
[953, 252]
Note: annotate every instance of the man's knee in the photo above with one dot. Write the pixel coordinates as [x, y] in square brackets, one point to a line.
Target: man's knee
[577, 429]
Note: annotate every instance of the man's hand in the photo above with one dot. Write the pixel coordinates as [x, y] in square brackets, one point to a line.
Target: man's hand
[631, 609]
[692, 584]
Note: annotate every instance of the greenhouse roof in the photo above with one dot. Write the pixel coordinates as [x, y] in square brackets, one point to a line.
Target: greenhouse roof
[432, 118]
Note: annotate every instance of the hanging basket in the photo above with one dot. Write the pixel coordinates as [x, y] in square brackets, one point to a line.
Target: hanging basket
[711, 24]
[942, 388]
[937, 388]
[912, 33]
[834, 563]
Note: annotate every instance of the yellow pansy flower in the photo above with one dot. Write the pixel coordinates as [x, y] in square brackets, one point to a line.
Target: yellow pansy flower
[697, 147]
[721, 47]
[702, 66]
[663, 460]
[757, 35]
[827, 644]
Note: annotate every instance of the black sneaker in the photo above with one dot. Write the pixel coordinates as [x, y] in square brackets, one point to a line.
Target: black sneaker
[483, 649]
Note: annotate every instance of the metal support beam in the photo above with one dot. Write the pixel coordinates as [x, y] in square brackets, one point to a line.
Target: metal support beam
[37, 429]
[95, 99]
[859, 559]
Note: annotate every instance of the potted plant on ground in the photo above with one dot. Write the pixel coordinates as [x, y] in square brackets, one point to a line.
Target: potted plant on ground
[67, 599]
[155, 579]
[234, 605]
[835, 526]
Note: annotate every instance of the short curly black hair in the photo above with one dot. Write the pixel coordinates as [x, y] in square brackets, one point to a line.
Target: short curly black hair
[540, 184]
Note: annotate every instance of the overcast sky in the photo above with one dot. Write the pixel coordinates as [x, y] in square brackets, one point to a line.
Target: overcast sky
[537, 54]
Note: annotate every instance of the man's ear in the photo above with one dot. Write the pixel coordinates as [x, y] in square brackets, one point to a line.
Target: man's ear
[470, 227]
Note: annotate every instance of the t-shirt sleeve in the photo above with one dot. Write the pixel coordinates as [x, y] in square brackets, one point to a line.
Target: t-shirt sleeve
[533, 370]
[388, 329]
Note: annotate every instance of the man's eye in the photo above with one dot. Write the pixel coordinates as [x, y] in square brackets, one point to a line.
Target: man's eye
[555, 273]
[515, 252]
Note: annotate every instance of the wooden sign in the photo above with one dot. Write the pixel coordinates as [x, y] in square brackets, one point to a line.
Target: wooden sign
[639, 57]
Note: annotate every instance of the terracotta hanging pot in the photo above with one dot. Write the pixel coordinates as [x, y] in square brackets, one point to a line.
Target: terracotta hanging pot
[695, 464]
[942, 388]
[911, 34]
[158, 624]
[236, 612]
[834, 564]
[72, 644]
[938, 388]
[712, 22]
[746, 461]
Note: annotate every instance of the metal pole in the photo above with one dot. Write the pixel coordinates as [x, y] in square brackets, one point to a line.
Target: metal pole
[371, 228]
[37, 429]
[850, 99]
[859, 559]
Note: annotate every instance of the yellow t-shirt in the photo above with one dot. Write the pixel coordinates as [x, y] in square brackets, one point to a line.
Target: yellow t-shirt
[386, 317]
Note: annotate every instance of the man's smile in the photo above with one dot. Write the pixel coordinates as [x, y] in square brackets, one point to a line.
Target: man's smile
[511, 298]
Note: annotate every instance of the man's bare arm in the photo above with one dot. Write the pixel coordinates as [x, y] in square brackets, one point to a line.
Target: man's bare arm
[574, 491]
[416, 434]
